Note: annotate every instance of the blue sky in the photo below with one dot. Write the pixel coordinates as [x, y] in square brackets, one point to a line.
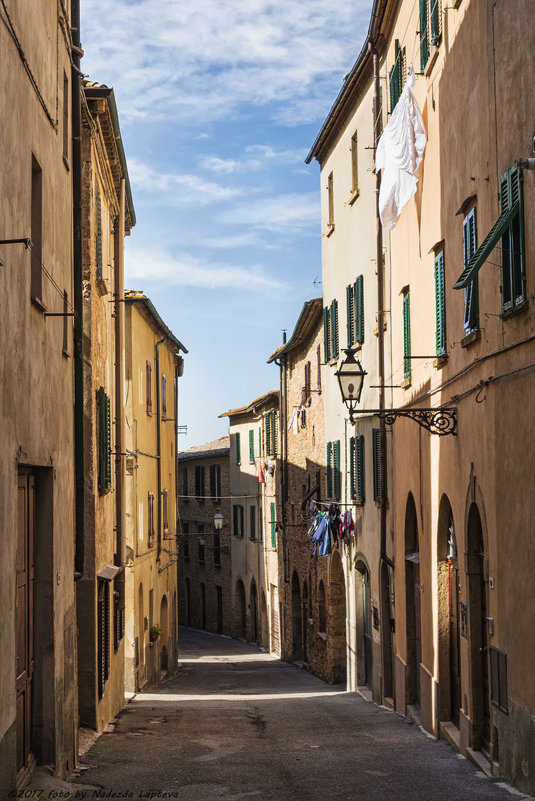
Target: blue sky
[219, 102]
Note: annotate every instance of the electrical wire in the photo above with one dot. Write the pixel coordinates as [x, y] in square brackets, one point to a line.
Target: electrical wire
[49, 276]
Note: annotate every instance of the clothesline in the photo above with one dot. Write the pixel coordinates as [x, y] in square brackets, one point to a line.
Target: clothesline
[321, 503]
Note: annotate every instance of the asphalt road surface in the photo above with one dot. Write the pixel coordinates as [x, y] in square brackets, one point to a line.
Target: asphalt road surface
[238, 724]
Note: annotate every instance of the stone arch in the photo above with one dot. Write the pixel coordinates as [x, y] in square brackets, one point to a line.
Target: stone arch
[363, 620]
[337, 621]
[449, 633]
[297, 619]
[253, 595]
[241, 615]
[413, 602]
[164, 634]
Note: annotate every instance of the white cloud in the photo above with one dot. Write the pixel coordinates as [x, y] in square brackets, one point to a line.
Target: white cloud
[186, 270]
[284, 214]
[258, 157]
[179, 189]
[201, 61]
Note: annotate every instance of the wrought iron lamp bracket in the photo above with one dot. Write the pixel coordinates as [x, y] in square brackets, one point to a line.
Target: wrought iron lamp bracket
[438, 420]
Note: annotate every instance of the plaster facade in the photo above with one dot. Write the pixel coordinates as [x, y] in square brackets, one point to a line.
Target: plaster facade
[38, 713]
[152, 355]
[204, 568]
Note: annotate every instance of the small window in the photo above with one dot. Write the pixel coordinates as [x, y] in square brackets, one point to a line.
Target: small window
[252, 522]
[498, 672]
[215, 482]
[237, 520]
[251, 446]
[104, 440]
[36, 232]
[200, 541]
[407, 365]
[199, 483]
[354, 164]
[330, 202]
[164, 396]
[148, 386]
[238, 447]
[471, 292]
[150, 526]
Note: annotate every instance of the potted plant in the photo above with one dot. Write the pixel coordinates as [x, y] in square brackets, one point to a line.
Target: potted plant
[154, 633]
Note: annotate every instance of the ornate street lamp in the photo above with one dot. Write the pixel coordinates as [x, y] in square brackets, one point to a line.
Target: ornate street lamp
[218, 521]
[438, 420]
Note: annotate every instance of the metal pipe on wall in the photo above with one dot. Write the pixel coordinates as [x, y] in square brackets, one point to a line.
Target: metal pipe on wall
[159, 442]
[120, 464]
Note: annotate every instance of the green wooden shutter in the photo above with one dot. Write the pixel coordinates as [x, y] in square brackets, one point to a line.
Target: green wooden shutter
[104, 440]
[334, 329]
[240, 507]
[377, 466]
[350, 316]
[440, 304]
[336, 472]
[329, 470]
[352, 461]
[267, 428]
[260, 441]
[361, 475]
[359, 309]
[424, 35]
[251, 445]
[98, 258]
[406, 336]
[238, 448]
[252, 522]
[326, 335]
[471, 291]
[434, 20]
[273, 525]
[274, 433]
[235, 519]
[395, 76]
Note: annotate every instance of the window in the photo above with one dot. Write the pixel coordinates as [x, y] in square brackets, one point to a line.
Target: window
[330, 202]
[440, 304]
[513, 257]
[237, 520]
[185, 528]
[307, 392]
[378, 117]
[471, 290]
[104, 440]
[164, 396]
[65, 120]
[252, 522]
[185, 483]
[118, 616]
[333, 470]
[355, 312]
[407, 368]
[273, 525]
[318, 362]
[200, 541]
[430, 29]
[199, 483]
[357, 478]
[148, 385]
[260, 441]
[150, 527]
[270, 428]
[103, 635]
[329, 469]
[165, 511]
[98, 237]
[217, 548]
[251, 445]
[238, 447]
[498, 673]
[377, 466]
[354, 165]
[36, 287]
[395, 76]
[330, 331]
[215, 482]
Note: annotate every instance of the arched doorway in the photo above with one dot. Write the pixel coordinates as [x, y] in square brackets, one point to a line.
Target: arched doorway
[254, 612]
[264, 631]
[140, 637]
[203, 606]
[364, 627]
[305, 618]
[188, 603]
[412, 589]
[479, 644]
[297, 622]
[387, 640]
[449, 630]
[337, 628]
[164, 635]
[241, 620]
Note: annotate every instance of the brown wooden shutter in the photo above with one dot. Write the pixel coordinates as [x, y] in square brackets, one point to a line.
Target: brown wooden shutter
[148, 368]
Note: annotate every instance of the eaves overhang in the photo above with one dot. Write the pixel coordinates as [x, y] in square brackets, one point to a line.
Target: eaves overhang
[263, 400]
[130, 296]
[310, 313]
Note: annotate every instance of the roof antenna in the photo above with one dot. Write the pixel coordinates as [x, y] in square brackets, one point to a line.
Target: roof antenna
[283, 336]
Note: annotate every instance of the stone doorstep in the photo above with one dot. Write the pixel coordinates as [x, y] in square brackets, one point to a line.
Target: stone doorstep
[45, 781]
[451, 734]
[365, 693]
[490, 769]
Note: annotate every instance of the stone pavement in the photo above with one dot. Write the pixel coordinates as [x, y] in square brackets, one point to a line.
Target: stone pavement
[239, 724]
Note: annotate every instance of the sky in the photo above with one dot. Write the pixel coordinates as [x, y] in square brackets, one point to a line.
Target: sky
[219, 102]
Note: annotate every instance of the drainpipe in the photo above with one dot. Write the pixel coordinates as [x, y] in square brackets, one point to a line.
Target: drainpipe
[380, 315]
[283, 364]
[120, 464]
[159, 443]
[76, 106]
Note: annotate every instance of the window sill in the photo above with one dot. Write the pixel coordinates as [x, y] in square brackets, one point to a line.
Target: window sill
[330, 229]
[440, 361]
[406, 383]
[38, 303]
[322, 635]
[469, 339]
[353, 196]
[520, 308]
[432, 60]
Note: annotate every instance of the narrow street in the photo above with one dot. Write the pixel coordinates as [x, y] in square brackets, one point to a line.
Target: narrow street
[237, 723]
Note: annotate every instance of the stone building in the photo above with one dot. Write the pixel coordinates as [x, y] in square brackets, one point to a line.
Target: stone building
[356, 295]
[254, 432]
[153, 366]
[38, 713]
[312, 592]
[108, 215]
[204, 568]
[458, 318]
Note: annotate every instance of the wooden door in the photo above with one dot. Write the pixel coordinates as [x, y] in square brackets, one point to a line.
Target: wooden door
[367, 617]
[25, 578]
[455, 643]
[417, 631]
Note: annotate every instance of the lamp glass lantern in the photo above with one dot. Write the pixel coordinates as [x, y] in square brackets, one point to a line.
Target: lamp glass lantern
[218, 521]
[351, 379]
